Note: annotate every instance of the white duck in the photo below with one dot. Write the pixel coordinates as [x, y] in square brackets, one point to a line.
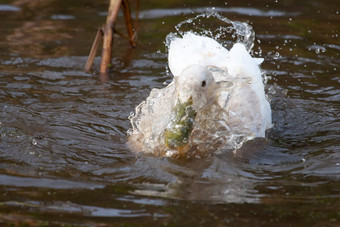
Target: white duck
[216, 101]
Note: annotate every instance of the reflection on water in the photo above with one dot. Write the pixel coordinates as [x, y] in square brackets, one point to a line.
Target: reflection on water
[63, 153]
[160, 13]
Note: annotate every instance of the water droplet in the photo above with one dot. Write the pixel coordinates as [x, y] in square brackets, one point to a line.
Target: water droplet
[34, 142]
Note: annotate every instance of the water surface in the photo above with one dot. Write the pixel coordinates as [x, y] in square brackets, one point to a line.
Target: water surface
[63, 153]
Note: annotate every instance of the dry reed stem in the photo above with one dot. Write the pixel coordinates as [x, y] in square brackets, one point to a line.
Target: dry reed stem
[107, 32]
[128, 22]
[108, 35]
[94, 49]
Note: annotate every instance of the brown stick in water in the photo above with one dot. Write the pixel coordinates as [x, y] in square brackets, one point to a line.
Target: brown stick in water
[94, 49]
[128, 22]
[107, 32]
[108, 35]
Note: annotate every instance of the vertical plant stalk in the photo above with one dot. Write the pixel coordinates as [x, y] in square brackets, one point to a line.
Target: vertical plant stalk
[108, 35]
[128, 22]
[94, 49]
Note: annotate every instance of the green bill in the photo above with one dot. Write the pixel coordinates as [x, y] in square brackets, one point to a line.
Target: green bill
[177, 135]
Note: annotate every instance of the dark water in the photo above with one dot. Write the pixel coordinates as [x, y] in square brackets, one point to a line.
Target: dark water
[63, 153]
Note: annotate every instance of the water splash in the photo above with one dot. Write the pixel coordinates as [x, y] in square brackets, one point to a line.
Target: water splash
[214, 25]
[211, 132]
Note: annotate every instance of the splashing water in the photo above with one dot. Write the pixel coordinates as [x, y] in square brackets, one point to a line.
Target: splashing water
[221, 29]
[214, 129]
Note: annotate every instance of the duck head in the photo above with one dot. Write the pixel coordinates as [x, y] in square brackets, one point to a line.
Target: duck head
[197, 84]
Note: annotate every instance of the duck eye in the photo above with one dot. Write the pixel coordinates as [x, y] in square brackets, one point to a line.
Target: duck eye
[203, 83]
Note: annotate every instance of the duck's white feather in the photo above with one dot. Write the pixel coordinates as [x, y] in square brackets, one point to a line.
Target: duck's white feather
[195, 50]
[248, 108]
